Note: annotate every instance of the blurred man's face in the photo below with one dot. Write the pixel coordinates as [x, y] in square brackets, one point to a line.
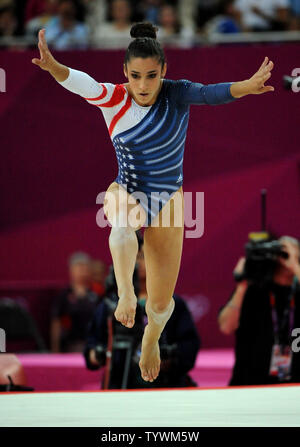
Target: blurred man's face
[291, 249]
[167, 16]
[98, 271]
[80, 272]
[7, 19]
[66, 10]
[121, 10]
[51, 6]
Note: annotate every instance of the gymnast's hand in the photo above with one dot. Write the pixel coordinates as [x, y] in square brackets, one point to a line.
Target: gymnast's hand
[256, 84]
[46, 61]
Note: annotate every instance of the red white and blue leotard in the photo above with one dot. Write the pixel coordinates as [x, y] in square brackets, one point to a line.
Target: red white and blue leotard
[149, 141]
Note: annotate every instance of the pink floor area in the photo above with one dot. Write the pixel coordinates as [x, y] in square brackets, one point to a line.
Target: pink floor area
[67, 372]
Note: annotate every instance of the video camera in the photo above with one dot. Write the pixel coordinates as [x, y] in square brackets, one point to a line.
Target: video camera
[262, 253]
[261, 261]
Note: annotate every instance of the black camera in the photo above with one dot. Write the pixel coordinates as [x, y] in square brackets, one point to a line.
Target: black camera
[261, 261]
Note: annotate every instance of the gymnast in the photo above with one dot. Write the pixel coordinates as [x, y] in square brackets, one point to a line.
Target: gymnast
[147, 119]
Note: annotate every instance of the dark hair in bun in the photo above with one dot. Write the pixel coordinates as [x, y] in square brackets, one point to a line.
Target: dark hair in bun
[143, 29]
[144, 44]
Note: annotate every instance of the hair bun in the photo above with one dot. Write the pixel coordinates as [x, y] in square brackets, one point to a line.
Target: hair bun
[143, 29]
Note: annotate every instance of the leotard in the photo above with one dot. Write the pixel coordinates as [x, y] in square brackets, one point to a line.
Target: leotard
[149, 141]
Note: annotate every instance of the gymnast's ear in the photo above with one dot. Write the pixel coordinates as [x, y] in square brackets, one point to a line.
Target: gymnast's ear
[164, 70]
[125, 71]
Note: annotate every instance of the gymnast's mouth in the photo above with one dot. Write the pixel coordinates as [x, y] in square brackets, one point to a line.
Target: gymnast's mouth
[144, 94]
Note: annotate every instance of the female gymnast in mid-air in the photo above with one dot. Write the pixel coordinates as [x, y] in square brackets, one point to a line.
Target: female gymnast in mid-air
[147, 120]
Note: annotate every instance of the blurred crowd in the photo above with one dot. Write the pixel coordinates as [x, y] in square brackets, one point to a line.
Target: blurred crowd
[82, 24]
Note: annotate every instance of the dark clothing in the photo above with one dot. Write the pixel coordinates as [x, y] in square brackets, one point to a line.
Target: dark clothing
[74, 314]
[180, 331]
[255, 335]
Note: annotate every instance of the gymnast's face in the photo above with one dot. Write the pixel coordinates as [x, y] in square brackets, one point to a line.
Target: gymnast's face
[145, 79]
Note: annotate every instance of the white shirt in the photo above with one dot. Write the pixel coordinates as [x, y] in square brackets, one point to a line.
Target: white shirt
[106, 35]
[268, 7]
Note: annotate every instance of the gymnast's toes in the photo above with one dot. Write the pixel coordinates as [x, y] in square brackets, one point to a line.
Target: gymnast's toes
[130, 322]
[155, 373]
[125, 311]
[146, 374]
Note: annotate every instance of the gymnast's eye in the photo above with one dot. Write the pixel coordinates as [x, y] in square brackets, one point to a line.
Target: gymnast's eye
[152, 75]
[135, 76]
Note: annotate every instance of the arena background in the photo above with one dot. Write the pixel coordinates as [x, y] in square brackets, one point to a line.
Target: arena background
[56, 156]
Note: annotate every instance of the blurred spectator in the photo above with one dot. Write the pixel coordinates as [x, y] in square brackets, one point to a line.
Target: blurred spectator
[295, 18]
[263, 15]
[226, 22]
[18, 8]
[205, 11]
[98, 276]
[187, 11]
[64, 32]
[117, 33]
[36, 8]
[96, 13]
[35, 24]
[5, 3]
[170, 31]
[149, 10]
[74, 307]
[8, 20]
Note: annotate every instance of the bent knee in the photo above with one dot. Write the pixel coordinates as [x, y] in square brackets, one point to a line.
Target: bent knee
[121, 214]
[122, 235]
[160, 306]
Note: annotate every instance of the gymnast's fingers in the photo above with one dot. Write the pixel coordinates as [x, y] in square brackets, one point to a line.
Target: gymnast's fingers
[265, 62]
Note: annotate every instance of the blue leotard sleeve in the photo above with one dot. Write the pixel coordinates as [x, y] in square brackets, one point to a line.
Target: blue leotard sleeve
[196, 93]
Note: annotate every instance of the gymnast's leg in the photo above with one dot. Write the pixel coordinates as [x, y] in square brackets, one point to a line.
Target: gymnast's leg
[162, 249]
[123, 247]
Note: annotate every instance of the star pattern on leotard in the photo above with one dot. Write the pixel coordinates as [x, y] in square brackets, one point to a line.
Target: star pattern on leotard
[125, 168]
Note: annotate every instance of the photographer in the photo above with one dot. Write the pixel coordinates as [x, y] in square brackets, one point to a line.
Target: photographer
[179, 342]
[263, 315]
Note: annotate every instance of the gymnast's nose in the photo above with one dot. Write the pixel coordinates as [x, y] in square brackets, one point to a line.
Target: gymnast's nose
[143, 85]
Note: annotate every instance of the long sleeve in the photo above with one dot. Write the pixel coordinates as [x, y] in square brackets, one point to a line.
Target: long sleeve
[197, 93]
[82, 84]
[97, 94]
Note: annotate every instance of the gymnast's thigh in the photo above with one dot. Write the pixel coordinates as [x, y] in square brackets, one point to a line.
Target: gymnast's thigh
[117, 200]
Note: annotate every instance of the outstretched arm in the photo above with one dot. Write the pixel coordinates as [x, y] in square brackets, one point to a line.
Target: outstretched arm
[256, 84]
[47, 62]
[74, 80]
[225, 92]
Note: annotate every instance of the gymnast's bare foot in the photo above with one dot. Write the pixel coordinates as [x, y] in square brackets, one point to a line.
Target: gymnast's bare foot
[150, 357]
[126, 308]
